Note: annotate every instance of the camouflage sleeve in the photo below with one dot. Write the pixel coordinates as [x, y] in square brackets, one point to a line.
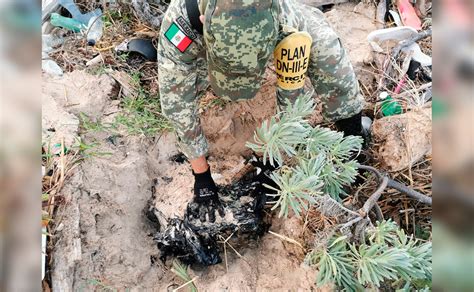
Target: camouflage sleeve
[330, 71]
[181, 85]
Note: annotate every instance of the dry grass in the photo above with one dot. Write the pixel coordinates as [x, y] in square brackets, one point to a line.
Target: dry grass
[57, 168]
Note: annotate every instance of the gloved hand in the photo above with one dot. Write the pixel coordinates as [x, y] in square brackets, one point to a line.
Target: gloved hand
[206, 201]
[357, 126]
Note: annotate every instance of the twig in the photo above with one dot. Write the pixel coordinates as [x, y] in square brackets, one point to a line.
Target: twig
[410, 192]
[416, 90]
[286, 239]
[369, 204]
[186, 284]
[398, 186]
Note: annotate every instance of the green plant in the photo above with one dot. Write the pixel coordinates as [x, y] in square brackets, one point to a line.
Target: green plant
[387, 257]
[334, 264]
[91, 125]
[182, 271]
[142, 115]
[313, 160]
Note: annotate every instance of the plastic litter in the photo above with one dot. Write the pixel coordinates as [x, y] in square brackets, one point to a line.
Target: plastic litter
[396, 17]
[95, 61]
[95, 27]
[380, 37]
[66, 22]
[387, 37]
[143, 47]
[90, 22]
[390, 107]
[408, 14]
[51, 67]
[70, 6]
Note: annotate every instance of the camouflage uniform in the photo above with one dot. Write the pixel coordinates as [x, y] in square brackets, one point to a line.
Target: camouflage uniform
[184, 76]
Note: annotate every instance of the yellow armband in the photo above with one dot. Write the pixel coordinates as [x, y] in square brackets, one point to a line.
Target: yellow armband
[292, 60]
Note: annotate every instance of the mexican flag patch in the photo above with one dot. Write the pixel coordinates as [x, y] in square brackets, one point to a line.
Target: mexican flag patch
[178, 38]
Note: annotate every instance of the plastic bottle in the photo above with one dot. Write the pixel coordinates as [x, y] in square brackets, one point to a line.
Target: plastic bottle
[68, 23]
[390, 107]
[94, 27]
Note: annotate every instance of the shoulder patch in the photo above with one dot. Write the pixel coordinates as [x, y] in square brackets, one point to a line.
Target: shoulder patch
[292, 60]
[178, 37]
[186, 27]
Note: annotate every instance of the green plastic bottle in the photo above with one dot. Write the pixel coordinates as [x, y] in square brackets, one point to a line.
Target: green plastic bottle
[69, 23]
[390, 107]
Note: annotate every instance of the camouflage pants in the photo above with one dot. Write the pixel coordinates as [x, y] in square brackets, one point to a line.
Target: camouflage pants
[183, 77]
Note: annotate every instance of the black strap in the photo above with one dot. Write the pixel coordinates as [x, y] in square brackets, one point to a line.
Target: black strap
[193, 14]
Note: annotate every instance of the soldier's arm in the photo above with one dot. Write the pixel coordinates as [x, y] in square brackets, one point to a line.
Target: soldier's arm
[332, 74]
[179, 93]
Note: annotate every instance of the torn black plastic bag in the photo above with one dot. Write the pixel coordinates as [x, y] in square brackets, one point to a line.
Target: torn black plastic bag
[194, 242]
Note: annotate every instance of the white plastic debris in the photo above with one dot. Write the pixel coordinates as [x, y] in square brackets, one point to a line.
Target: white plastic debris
[51, 67]
[396, 18]
[94, 27]
[94, 61]
[381, 37]
[390, 37]
[418, 55]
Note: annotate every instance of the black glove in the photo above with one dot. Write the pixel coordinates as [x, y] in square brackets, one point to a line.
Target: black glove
[206, 200]
[263, 174]
[353, 126]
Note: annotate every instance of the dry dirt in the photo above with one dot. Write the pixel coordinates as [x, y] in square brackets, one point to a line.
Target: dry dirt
[403, 139]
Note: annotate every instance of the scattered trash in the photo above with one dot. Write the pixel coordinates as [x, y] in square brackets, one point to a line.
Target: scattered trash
[422, 8]
[49, 42]
[122, 47]
[96, 60]
[48, 7]
[389, 37]
[390, 106]
[51, 67]
[427, 95]
[404, 139]
[66, 22]
[143, 47]
[47, 65]
[151, 12]
[47, 27]
[408, 14]
[76, 14]
[396, 18]
[401, 38]
[89, 23]
[94, 30]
